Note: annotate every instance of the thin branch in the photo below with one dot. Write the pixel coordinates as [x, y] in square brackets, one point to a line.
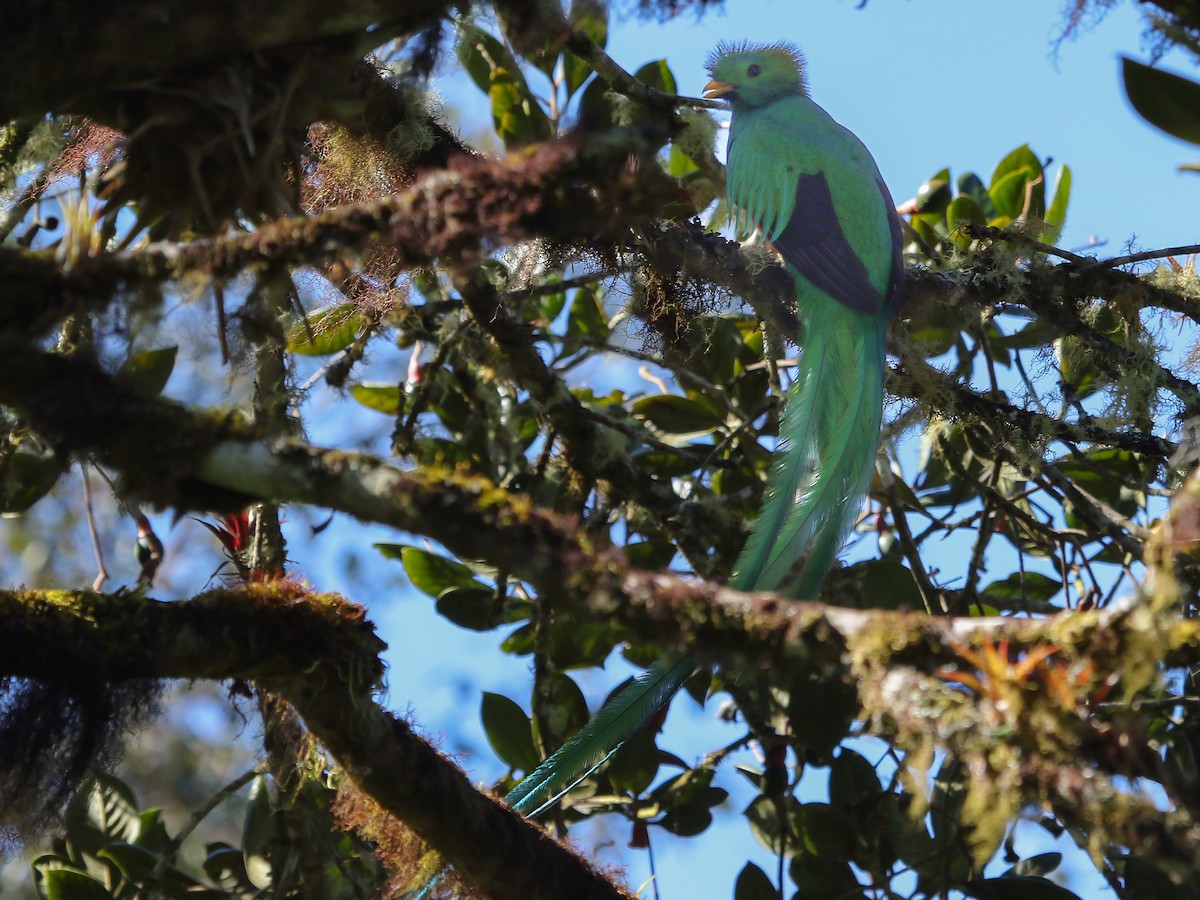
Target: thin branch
[592, 450]
[193, 821]
[1184, 250]
[97, 550]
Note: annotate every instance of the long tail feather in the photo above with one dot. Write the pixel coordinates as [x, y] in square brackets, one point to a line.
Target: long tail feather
[612, 726]
[829, 436]
[592, 745]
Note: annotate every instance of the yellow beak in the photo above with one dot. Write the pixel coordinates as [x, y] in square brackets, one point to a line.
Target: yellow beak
[715, 90]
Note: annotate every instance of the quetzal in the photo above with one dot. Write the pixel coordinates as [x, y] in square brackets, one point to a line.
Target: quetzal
[815, 193]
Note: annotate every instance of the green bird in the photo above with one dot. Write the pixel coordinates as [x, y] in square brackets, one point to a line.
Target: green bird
[815, 193]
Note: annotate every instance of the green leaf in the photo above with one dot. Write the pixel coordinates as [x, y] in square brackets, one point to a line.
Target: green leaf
[1037, 333]
[681, 417]
[586, 322]
[888, 584]
[1115, 476]
[1032, 587]
[152, 833]
[970, 185]
[382, 396]
[520, 642]
[596, 106]
[325, 331]
[909, 837]
[562, 707]
[25, 478]
[753, 884]
[1040, 865]
[258, 822]
[71, 884]
[1022, 159]
[960, 212]
[474, 608]
[934, 195]
[658, 75]
[480, 53]
[634, 767]
[821, 877]
[135, 864]
[225, 866]
[429, 573]
[1021, 887]
[1167, 101]
[650, 555]
[147, 372]
[822, 710]
[778, 834]
[102, 811]
[590, 17]
[1018, 180]
[945, 815]
[827, 831]
[516, 115]
[509, 732]
[1008, 196]
[964, 210]
[688, 799]
[679, 163]
[1056, 214]
[852, 780]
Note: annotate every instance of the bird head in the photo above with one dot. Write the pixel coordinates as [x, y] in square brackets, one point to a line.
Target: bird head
[753, 75]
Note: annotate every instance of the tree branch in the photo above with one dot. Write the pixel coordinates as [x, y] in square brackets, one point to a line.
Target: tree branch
[321, 654]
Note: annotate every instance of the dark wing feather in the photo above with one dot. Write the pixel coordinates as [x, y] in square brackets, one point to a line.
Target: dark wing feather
[813, 243]
[895, 294]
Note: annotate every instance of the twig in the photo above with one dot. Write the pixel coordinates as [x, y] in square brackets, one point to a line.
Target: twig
[624, 83]
[929, 594]
[102, 573]
[1096, 511]
[193, 821]
[1116, 261]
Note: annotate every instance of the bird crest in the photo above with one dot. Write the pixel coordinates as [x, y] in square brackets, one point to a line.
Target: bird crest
[778, 50]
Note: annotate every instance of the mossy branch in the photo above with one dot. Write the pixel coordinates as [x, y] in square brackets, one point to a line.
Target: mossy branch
[320, 653]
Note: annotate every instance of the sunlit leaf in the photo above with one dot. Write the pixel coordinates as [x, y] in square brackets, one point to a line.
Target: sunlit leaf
[325, 331]
[934, 194]
[70, 884]
[1056, 213]
[147, 372]
[429, 573]
[382, 396]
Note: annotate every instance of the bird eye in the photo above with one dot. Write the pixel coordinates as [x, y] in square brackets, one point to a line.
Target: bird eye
[754, 71]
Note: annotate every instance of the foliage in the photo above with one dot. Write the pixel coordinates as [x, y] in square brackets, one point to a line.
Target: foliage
[110, 847]
[585, 400]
